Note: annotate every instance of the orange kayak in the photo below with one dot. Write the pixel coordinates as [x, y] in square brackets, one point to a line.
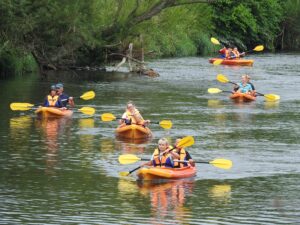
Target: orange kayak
[154, 173]
[234, 62]
[53, 112]
[242, 97]
[133, 131]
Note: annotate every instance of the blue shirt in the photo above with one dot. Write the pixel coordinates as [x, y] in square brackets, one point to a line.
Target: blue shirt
[64, 99]
[245, 89]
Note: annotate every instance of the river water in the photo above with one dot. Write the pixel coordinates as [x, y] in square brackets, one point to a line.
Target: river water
[65, 171]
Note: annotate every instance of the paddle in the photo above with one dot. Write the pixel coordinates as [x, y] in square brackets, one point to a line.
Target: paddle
[271, 97]
[21, 106]
[216, 91]
[27, 106]
[219, 163]
[215, 41]
[184, 142]
[166, 124]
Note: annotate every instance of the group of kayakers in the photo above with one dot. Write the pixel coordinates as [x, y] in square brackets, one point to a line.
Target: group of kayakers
[230, 53]
[57, 98]
[164, 155]
[168, 156]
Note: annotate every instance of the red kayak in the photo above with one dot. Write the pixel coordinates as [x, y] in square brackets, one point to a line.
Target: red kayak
[234, 62]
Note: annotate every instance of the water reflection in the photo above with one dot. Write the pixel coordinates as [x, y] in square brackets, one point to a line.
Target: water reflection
[19, 127]
[52, 129]
[168, 199]
[214, 103]
[221, 192]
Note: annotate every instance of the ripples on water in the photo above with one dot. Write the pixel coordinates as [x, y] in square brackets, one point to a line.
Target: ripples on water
[66, 171]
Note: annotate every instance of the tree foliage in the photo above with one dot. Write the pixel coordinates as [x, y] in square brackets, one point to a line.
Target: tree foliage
[248, 22]
[61, 33]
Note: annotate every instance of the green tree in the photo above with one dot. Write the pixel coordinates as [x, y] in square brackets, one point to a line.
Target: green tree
[246, 23]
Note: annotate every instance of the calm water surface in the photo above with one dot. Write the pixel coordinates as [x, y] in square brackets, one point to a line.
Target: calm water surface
[65, 171]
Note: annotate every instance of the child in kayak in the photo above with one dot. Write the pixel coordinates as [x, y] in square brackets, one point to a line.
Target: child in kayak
[184, 155]
[244, 86]
[63, 97]
[236, 54]
[52, 100]
[163, 155]
[133, 116]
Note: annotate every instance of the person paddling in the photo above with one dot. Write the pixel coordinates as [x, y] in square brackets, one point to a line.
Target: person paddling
[223, 52]
[244, 86]
[133, 116]
[184, 155]
[63, 97]
[52, 99]
[236, 54]
[163, 155]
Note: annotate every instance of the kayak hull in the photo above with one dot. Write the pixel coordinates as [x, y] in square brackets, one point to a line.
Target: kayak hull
[242, 97]
[133, 131]
[234, 62]
[157, 173]
[53, 112]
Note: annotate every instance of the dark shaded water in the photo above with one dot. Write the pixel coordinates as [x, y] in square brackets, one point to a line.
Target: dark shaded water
[66, 170]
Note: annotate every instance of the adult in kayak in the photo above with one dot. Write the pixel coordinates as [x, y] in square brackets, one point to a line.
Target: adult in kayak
[184, 155]
[63, 97]
[253, 92]
[52, 99]
[223, 53]
[133, 116]
[163, 155]
[243, 86]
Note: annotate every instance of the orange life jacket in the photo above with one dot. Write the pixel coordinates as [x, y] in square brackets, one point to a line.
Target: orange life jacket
[182, 157]
[160, 160]
[236, 54]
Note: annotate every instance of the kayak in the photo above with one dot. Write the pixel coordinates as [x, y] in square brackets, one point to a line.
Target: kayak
[53, 112]
[133, 131]
[234, 62]
[242, 97]
[154, 173]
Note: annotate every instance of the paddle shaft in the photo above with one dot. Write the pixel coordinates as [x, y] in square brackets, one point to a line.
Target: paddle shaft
[261, 94]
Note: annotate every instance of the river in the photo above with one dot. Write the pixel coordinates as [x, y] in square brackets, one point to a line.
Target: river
[65, 171]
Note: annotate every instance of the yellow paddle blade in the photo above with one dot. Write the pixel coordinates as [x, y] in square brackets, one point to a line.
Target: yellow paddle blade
[214, 90]
[272, 97]
[123, 173]
[258, 48]
[107, 117]
[128, 159]
[166, 124]
[20, 106]
[214, 41]
[222, 163]
[186, 142]
[87, 110]
[218, 62]
[88, 95]
[222, 78]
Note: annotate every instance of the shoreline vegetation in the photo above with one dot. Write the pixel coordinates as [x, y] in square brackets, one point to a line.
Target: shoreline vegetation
[58, 35]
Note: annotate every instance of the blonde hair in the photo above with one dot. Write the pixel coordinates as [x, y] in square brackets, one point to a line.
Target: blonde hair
[163, 141]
